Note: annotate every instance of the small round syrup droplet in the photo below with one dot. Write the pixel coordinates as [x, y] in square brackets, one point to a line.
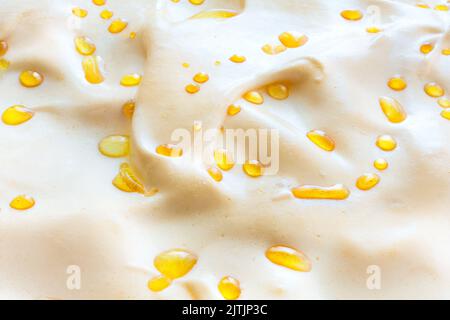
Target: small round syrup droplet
[84, 46]
[321, 139]
[131, 80]
[16, 115]
[380, 164]
[92, 72]
[254, 97]
[367, 181]
[169, 150]
[128, 109]
[215, 173]
[386, 143]
[175, 263]
[79, 12]
[426, 48]
[192, 88]
[22, 202]
[434, 90]
[289, 258]
[233, 110]
[115, 146]
[253, 168]
[201, 77]
[292, 39]
[441, 7]
[445, 114]
[196, 2]
[224, 159]
[352, 15]
[3, 47]
[278, 91]
[373, 30]
[158, 283]
[229, 288]
[444, 102]
[106, 14]
[99, 2]
[238, 59]
[397, 83]
[117, 26]
[31, 79]
[392, 109]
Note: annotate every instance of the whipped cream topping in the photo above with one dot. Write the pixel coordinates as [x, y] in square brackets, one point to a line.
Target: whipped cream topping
[356, 90]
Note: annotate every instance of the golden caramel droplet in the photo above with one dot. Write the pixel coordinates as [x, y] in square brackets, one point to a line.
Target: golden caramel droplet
[158, 283]
[392, 109]
[278, 91]
[381, 164]
[131, 80]
[4, 64]
[16, 115]
[434, 90]
[386, 143]
[446, 52]
[254, 97]
[192, 88]
[128, 108]
[233, 110]
[271, 50]
[253, 168]
[215, 14]
[397, 83]
[445, 114]
[99, 2]
[115, 146]
[117, 26]
[441, 7]
[22, 202]
[237, 58]
[106, 14]
[444, 102]
[120, 184]
[91, 68]
[196, 2]
[423, 5]
[79, 12]
[289, 258]
[367, 181]
[373, 29]
[337, 192]
[3, 47]
[352, 15]
[84, 46]
[201, 77]
[169, 150]
[229, 288]
[224, 159]
[426, 48]
[31, 79]
[127, 181]
[321, 139]
[215, 173]
[175, 263]
[292, 39]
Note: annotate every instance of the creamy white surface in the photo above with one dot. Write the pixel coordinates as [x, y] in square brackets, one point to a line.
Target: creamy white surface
[80, 218]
